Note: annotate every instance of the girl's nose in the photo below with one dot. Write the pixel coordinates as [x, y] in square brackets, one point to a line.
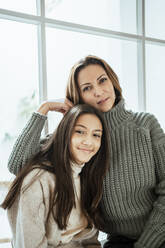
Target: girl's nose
[87, 141]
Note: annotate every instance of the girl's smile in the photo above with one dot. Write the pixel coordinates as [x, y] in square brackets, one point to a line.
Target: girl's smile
[86, 138]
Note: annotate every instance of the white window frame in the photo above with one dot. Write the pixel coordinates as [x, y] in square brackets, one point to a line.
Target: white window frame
[41, 22]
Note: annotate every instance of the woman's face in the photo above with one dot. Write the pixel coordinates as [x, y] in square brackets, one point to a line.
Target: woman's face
[86, 138]
[96, 88]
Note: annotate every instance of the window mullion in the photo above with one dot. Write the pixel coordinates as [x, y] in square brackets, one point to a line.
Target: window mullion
[42, 55]
[141, 55]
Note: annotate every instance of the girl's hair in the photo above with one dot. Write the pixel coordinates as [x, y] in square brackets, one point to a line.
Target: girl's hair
[73, 91]
[55, 156]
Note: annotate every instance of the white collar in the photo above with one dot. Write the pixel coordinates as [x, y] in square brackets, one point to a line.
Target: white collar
[76, 168]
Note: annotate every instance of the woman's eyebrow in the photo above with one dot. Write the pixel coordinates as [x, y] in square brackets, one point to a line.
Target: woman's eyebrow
[90, 82]
[84, 84]
[101, 76]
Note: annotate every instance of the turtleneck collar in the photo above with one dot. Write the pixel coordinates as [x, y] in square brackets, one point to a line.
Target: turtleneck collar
[117, 114]
[76, 168]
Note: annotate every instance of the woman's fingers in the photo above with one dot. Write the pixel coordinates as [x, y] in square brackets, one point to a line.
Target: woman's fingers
[62, 106]
[68, 102]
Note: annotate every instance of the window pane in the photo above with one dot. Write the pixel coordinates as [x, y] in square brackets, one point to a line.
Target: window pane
[28, 7]
[121, 55]
[116, 15]
[19, 83]
[6, 245]
[155, 18]
[155, 80]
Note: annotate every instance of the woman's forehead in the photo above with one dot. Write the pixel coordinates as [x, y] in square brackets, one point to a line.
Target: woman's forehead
[90, 73]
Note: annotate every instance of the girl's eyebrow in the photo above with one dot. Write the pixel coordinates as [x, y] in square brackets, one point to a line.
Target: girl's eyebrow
[96, 130]
[79, 125]
[97, 80]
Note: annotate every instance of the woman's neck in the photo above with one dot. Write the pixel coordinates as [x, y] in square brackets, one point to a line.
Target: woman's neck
[117, 114]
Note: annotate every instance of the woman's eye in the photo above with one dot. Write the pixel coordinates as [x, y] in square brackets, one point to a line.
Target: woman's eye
[102, 80]
[86, 88]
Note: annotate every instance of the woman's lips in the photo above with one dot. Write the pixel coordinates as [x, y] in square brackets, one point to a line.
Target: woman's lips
[103, 100]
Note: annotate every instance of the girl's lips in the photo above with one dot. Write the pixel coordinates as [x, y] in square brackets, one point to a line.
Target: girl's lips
[84, 149]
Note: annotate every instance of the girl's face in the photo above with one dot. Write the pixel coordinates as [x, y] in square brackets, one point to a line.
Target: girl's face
[86, 138]
[96, 88]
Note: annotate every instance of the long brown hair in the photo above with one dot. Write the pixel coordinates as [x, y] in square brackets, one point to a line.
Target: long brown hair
[55, 157]
[72, 89]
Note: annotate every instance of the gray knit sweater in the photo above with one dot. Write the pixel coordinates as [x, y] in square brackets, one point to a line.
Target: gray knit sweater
[134, 188]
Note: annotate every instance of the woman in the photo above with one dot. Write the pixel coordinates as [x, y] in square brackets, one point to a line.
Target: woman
[55, 200]
[133, 200]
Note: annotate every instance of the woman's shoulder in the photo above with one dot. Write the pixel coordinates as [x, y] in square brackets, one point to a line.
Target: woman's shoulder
[143, 119]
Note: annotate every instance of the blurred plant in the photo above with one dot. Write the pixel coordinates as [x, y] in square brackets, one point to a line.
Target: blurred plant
[27, 105]
[8, 137]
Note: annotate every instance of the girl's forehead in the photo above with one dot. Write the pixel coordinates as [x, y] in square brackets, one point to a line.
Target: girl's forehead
[89, 121]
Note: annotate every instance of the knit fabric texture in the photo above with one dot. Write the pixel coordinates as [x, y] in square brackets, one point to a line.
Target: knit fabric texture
[133, 200]
[28, 215]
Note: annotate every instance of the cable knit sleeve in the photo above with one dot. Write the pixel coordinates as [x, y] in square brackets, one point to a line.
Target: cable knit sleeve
[31, 216]
[153, 235]
[27, 144]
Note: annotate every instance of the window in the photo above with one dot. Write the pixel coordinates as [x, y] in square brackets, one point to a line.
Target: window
[155, 19]
[18, 94]
[121, 54]
[107, 14]
[41, 40]
[155, 78]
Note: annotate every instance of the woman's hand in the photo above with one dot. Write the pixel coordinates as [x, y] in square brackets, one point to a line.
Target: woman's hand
[51, 105]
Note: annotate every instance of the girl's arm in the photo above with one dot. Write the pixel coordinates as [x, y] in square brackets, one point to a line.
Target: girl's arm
[28, 142]
[92, 242]
[28, 216]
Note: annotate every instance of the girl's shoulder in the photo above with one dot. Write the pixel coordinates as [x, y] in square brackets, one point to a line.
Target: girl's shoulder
[40, 178]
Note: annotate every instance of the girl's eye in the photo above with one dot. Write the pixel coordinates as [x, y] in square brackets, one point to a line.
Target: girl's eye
[97, 136]
[86, 88]
[102, 80]
[79, 131]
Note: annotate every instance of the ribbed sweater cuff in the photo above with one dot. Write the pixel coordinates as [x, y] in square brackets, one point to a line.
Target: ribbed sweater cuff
[154, 234]
[153, 240]
[37, 120]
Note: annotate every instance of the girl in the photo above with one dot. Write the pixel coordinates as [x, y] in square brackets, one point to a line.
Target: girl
[133, 202]
[55, 200]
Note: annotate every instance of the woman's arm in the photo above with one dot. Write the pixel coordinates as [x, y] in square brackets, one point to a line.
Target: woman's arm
[153, 235]
[28, 142]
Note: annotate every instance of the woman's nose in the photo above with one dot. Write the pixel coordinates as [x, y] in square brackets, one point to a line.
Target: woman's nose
[97, 91]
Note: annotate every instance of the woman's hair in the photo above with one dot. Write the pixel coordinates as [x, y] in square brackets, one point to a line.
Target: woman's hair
[73, 91]
[55, 156]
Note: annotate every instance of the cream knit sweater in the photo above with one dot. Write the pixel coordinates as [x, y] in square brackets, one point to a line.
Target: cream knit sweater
[27, 216]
